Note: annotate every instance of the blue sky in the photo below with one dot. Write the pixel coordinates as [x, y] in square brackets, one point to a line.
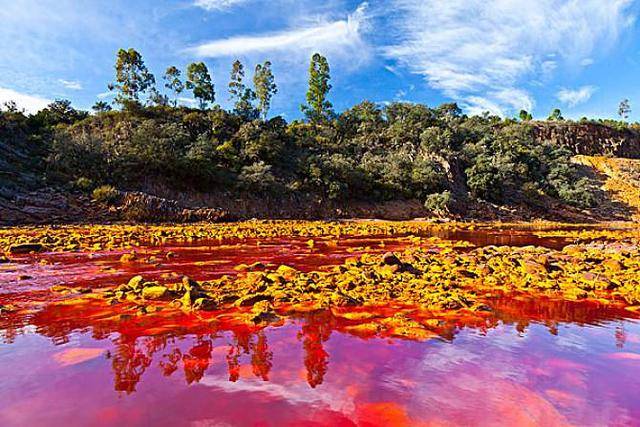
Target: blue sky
[582, 56]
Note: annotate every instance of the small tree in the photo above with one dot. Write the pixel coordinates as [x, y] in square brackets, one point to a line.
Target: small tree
[10, 107]
[318, 108]
[241, 96]
[448, 110]
[200, 83]
[158, 98]
[265, 87]
[58, 112]
[101, 107]
[624, 109]
[173, 82]
[556, 115]
[132, 77]
[525, 116]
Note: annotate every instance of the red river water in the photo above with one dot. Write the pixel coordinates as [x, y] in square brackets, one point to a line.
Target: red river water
[533, 362]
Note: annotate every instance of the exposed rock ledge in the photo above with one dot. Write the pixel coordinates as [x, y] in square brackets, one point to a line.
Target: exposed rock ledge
[590, 139]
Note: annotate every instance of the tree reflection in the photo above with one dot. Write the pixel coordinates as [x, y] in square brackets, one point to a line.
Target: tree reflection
[314, 332]
[129, 362]
[261, 357]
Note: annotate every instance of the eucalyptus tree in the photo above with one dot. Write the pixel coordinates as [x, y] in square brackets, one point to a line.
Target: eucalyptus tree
[624, 109]
[101, 107]
[241, 96]
[318, 108]
[199, 82]
[265, 87]
[133, 78]
[173, 82]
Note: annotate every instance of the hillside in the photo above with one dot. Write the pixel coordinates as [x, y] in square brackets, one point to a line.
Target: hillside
[619, 179]
[397, 162]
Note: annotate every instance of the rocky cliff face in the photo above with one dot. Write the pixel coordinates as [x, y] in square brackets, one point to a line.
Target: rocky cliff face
[590, 139]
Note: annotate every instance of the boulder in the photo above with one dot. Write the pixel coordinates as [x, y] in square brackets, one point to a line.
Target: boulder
[154, 292]
[390, 258]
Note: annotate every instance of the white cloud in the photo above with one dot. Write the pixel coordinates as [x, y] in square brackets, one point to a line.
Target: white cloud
[188, 101]
[105, 95]
[218, 4]
[30, 103]
[484, 53]
[499, 102]
[547, 68]
[586, 62]
[328, 37]
[71, 84]
[573, 97]
[392, 70]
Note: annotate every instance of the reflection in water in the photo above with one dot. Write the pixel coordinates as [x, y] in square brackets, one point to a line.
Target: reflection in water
[138, 345]
[315, 331]
[502, 362]
[254, 345]
[130, 361]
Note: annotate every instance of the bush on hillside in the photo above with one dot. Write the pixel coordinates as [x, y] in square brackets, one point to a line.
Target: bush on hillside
[439, 203]
[106, 194]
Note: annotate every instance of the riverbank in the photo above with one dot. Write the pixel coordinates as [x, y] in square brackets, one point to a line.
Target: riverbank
[616, 182]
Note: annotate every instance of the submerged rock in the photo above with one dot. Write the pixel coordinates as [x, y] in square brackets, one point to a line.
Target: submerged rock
[25, 248]
[7, 308]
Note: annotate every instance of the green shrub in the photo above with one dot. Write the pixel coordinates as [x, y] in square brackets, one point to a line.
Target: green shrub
[439, 203]
[106, 194]
[83, 184]
[579, 194]
[531, 191]
[257, 177]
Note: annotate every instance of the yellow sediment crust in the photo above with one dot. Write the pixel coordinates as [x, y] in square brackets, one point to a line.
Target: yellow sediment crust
[445, 280]
[19, 240]
[629, 232]
[622, 178]
[104, 237]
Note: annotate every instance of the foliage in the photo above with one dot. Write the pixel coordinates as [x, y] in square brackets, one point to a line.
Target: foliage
[173, 82]
[556, 115]
[525, 116]
[200, 83]
[59, 112]
[439, 203]
[318, 108]
[368, 152]
[106, 194]
[624, 109]
[83, 184]
[257, 176]
[241, 96]
[101, 107]
[132, 77]
[265, 87]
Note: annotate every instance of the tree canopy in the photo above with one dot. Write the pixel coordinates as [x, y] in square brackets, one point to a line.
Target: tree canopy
[200, 83]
